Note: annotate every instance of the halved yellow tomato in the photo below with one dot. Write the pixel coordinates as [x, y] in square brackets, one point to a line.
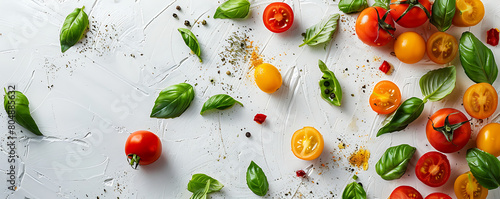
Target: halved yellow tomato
[442, 47]
[468, 13]
[467, 187]
[307, 143]
[480, 100]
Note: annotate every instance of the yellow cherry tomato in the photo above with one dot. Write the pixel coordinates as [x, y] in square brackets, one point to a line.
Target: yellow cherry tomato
[467, 187]
[488, 139]
[307, 143]
[409, 47]
[268, 78]
[468, 13]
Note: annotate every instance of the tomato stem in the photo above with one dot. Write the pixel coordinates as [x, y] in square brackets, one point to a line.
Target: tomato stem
[133, 160]
[411, 4]
[448, 129]
[382, 24]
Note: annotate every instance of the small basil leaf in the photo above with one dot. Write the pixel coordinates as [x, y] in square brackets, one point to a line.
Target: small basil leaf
[477, 59]
[191, 41]
[354, 191]
[442, 14]
[484, 167]
[220, 101]
[321, 32]
[16, 105]
[173, 101]
[232, 9]
[202, 193]
[329, 86]
[198, 182]
[257, 180]
[382, 3]
[393, 163]
[352, 6]
[437, 84]
[73, 28]
[408, 112]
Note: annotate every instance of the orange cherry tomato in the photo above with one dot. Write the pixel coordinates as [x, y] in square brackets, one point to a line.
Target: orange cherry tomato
[385, 98]
[488, 139]
[480, 100]
[409, 47]
[307, 143]
[467, 187]
[468, 13]
[442, 48]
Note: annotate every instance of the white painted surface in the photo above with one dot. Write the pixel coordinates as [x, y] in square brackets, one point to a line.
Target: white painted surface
[89, 99]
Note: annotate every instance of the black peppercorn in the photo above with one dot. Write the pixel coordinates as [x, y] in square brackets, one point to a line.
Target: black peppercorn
[332, 95]
[186, 23]
[178, 7]
[327, 91]
[204, 22]
[248, 134]
[174, 15]
[326, 83]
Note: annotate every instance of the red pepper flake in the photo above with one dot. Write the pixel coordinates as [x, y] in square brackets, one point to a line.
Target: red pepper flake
[260, 118]
[385, 67]
[301, 173]
[492, 37]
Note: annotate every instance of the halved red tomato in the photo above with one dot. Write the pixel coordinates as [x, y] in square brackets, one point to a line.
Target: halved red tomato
[433, 169]
[405, 192]
[278, 17]
[438, 196]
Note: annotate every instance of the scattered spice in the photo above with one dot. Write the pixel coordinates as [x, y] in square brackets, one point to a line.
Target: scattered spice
[492, 37]
[204, 22]
[256, 58]
[360, 159]
[186, 23]
[248, 134]
[341, 145]
[174, 15]
[260, 118]
[178, 7]
[228, 72]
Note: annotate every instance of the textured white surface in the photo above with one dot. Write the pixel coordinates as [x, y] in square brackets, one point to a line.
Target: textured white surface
[89, 99]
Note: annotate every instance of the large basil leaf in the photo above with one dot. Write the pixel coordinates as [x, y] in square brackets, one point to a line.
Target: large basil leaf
[354, 191]
[199, 181]
[408, 112]
[321, 32]
[73, 28]
[437, 84]
[392, 165]
[257, 180]
[16, 105]
[220, 101]
[352, 6]
[329, 86]
[173, 101]
[202, 193]
[191, 41]
[232, 9]
[442, 14]
[382, 3]
[484, 167]
[477, 59]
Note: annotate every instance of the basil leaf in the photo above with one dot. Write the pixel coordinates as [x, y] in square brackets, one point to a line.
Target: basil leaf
[321, 32]
[404, 115]
[173, 101]
[257, 180]
[484, 167]
[191, 41]
[442, 14]
[352, 6]
[437, 84]
[232, 9]
[199, 181]
[392, 165]
[73, 29]
[220, 101]
[16, 105]
[329, 86]
[382, 3]
[354, 191]
[477, 59]
[202, 193]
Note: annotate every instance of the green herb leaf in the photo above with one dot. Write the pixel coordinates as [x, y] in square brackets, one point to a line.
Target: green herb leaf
[442, 14]
[202, 193]
[382, 3]
[321, 32]
[329, 86]
[220, 101]
[408, 112]
[191, 41]
[73, 28]
[392, 165]
[198, 182]
[173, 101]
[352, 6]
[477, 59]
[437, 84]
[232, 9]
[354, 191]
[484, 167]
[16, 105]
[257, 180]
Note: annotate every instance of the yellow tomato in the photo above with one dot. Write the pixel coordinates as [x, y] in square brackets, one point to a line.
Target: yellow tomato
[307, 143]
[268, 78]
[467, 187]
[409, 47]
[488, 139]
[468, 13]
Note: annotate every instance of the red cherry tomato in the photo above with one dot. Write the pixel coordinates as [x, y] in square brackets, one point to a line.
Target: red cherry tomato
[414, 16]
[142, 148]
[374, 27]
[438, 196]
[433, 169]
[278, 17]
[405, 192]
[492, 37]
[446, 138]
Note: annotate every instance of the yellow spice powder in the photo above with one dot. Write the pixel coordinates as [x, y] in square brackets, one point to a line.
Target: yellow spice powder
[360, 159]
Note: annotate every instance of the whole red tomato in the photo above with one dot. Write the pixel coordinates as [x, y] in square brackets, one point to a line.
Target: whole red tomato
[375, 26]
[409, 13]
[405, 192]
[451, 136]
[142, 148]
